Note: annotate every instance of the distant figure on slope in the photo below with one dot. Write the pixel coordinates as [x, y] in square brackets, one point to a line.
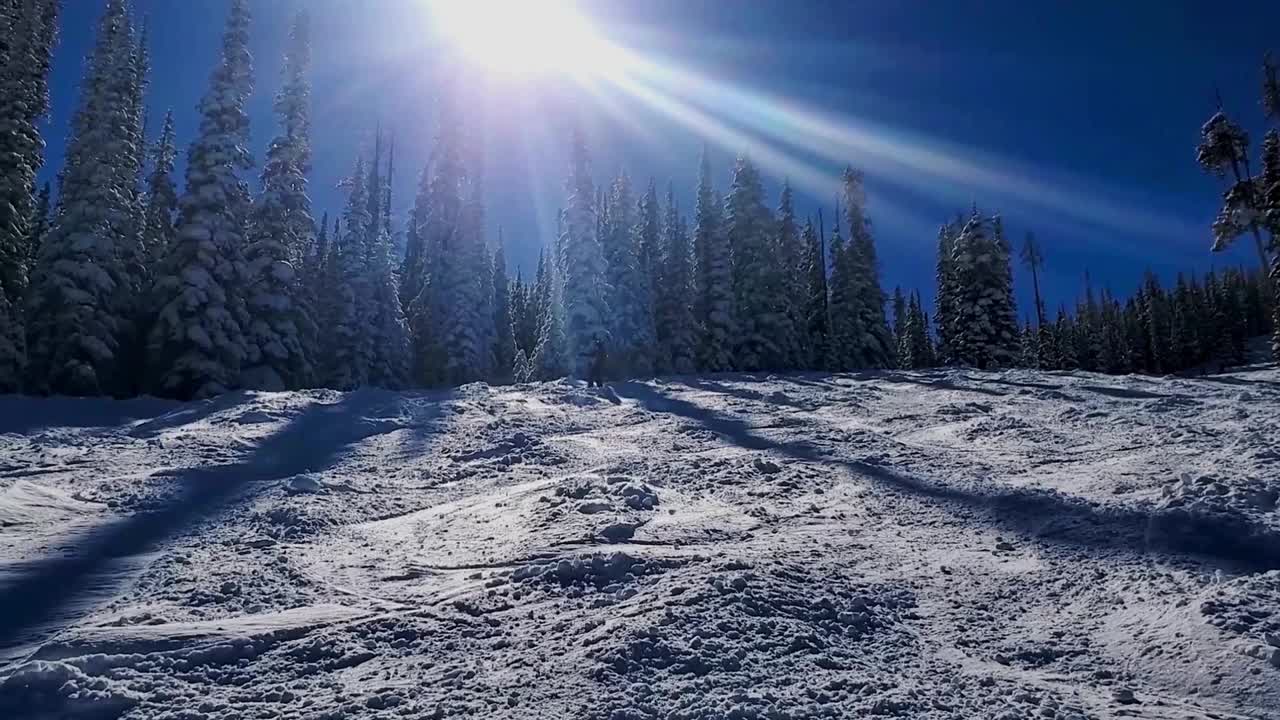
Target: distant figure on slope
[599, 365]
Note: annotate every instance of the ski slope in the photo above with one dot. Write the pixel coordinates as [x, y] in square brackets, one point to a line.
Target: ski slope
[945, 544]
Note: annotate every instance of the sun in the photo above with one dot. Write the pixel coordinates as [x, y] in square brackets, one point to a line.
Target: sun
[524, 36]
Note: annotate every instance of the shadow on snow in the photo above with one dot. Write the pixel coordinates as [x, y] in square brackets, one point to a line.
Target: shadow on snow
[1049, 516]
[39, 596]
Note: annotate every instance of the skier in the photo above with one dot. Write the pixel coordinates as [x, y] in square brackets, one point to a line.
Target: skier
[599, 364]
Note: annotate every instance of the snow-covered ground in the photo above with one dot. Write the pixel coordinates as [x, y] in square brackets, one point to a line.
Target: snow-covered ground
[946, 544]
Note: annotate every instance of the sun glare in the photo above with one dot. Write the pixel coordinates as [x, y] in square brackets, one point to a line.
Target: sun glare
[524, 36]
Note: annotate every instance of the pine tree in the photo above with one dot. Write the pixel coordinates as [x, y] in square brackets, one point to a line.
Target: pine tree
[946, 310]
[1155, 325]
[842, 342]
[789, 271]
[550, 358]
[630, 301]
[1270, 202]
[817, 318]
[413, 270]
[1224, 145]
[715, 299]
[586, 290]
[282, 330]
[468, 288]
[761, 309]
[1027, 346]
[1113, 358]
[1065, 341]
[874, 342]
[29, 28]
[504, 346]
[916, 352]
[676, 328]
[40, 220]
[1182, 347]
[77, 331]
[159, 206]
[386, 327]
[984, 335]
[197, 345]
[162, 196]
[316, 259]
[346, 354]
[1033, 258]
[1088, 329]
[899, 324]
[438, 221]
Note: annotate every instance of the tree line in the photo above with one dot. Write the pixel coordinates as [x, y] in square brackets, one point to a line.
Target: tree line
[128, 285]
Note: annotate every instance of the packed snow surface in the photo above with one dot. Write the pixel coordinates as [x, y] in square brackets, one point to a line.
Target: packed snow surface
[946, 544]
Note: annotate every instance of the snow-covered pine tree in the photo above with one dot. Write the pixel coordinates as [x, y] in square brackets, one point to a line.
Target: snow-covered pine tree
[77, 331]
[648, 250]
[646, 236]
[412, 268]
[586, 289]
[1005, 313]
[761, 308]
[315, 263]
[1182, 348]
[540, 294]
[844, 317]
[1027, 356]
[397, 238]
[40, 220]
[1113, 358]
[131, 297]
[817, 319]
[436, 218]
[158, 229]
[1065, 341]
[386, 328]
[918, 352]
[714, 287]
[900, 325]
[29, 28]
[983, 336]
[789, 254]
[677, 330]
[1251, 203]
[1233, 301]
[197, 346]
[1270, 202]
[345, 357]
[631, 324]
[468, 290]
[1155, 324]
[504, 345]
[282, 327]
[159, 207]
[550, 358]
[1088, 328]
[522, 332]
[948, 290]
[874, 344]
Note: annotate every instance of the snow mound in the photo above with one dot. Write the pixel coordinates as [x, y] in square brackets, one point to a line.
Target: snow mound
[1234, 517]
[58, 689]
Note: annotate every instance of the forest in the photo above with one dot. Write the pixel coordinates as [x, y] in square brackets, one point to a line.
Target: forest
[125, 282]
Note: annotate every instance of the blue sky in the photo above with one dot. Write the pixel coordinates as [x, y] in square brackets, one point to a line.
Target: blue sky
[1075, 120]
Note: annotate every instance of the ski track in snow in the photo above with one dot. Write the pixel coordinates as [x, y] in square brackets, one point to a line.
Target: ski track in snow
[943, 544]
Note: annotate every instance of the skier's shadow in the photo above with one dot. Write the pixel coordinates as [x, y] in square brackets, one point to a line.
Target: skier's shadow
[39, 597]
[1235, 542]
